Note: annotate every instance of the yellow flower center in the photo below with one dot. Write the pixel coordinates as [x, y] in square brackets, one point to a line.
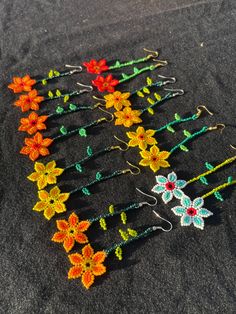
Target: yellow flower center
[88, 264]
[71, 231]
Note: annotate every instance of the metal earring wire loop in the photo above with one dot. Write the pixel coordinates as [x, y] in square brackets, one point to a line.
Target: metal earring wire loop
[89, 87]
[232, 146]
[109, 113]
[160, 63]
[202, 108]
[131, 170]
[176, 91]
[118, 146]
[218, 126]
[153, 53]
[77, 68]
[160, 227]
[100, 99]
[169, 79]
[146, 203]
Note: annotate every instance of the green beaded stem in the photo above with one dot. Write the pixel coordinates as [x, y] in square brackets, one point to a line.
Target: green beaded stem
[135, 205]
[143, 234]
[156, 84]
[219, 188]
[127, 77]
[166, 97]
[110, 176]
[166, 126]
[67, 111]
[191, 137]
[119, 65]
[67, 73]
[74, 93]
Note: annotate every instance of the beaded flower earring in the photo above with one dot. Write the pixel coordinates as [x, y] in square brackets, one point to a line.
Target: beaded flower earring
[47, 174]
[32, 100]
[193, 212]
[53, 201]
[89, 264]
[38, 145]
[73, 231]
[171, 187]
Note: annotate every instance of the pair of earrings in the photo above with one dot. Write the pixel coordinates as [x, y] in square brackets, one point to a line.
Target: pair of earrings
[191, 212]
[89, 264]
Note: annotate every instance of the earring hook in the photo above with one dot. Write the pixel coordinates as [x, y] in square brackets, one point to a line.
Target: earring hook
[118, 146]
[153, 54]
[97, 98]
[131, 171]
[90, 88]
[146, 203]
[218, 126]
[169, 79]
[161, 228]
[201, 108]
[105, 119]
[77, 68]
[179, 92]
[232, 146]
[161, 63]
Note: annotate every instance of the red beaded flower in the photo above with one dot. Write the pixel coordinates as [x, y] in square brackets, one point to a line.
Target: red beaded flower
[105, 83]
[96, 67]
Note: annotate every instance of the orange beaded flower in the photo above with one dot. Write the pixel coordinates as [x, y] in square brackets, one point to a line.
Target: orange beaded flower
[87, 265]
[117, 100]
[23, 84]
[127, 117]
[36, 146]
[71, 232]
[155, 159]
[29, 101]
[32, 123]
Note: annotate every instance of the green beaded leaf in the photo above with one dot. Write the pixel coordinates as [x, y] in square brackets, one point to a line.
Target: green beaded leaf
[124, 235]
[230, 179]
[72, 107]
[157, 96]
[140, 94]
[187, 133]
[56, 73]
[118, 253]
[58, 93]
[86, 191]
[136, 70]
[78, 167]
[98, 176]
[124, 76]
[89, 151]
[111, 209]
[151, 111]
[209, 166]
[50, 94]
[63, 130]
[177, 116]
[204, 180]
[149, 81]
[184, 148]
[44, 82]
[59, 109]
[82, 132]
[151, 101]
[123, 218]
[170, 129]
[146, 90]
[66, 98]
[50, 74]
[218, 196]
[103, 224]
[117, 64]
[132, 232]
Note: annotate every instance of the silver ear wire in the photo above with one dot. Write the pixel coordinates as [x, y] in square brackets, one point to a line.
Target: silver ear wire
[89, 87]
[160, 227]
[169, 79]
[178, 92]
[146, 203]
[77, 68]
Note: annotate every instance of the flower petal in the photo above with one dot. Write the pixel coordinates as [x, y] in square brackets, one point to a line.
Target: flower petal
[99, 269]
[81, 238]
[155, 166]
[39, 167]
[161, 179]
[54, 192]
[83, 226]
[50, 179]
[50, 166]
[40, 206]
[73, 220]
[59, 236]
[34, 176]
[42, 182]
[87, 251]
[68, 243]
[158, 189]
[178, 193]
[180, 184]
[167, 196]
[185, 201]
[172, 177]
[62, 225]
[49, 212]
[59, 207]
[178, 210]
[63, 197]
[198, 222]
[203, 212]
[99, 257]
[198, 202]
[76, 258]
[75, 272]
[186, 220]
[43, 195]
[87, 279]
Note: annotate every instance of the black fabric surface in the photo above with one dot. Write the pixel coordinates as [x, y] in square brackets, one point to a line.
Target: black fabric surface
[184, 271]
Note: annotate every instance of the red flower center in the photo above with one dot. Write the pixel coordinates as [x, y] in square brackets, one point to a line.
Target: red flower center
[28, 100]
[154, 158]
[36, 146]
[170, 186]
[191, 211]
[127, 117]
[33, 122]
[141, 137]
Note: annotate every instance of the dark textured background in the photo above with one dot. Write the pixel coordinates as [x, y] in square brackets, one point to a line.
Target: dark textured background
[184, 271]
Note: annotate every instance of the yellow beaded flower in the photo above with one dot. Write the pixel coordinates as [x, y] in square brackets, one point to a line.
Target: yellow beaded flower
[141, 138]
[45, 175]
[127, 117]
[154, 158]
[117, 100]
[52, 202]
